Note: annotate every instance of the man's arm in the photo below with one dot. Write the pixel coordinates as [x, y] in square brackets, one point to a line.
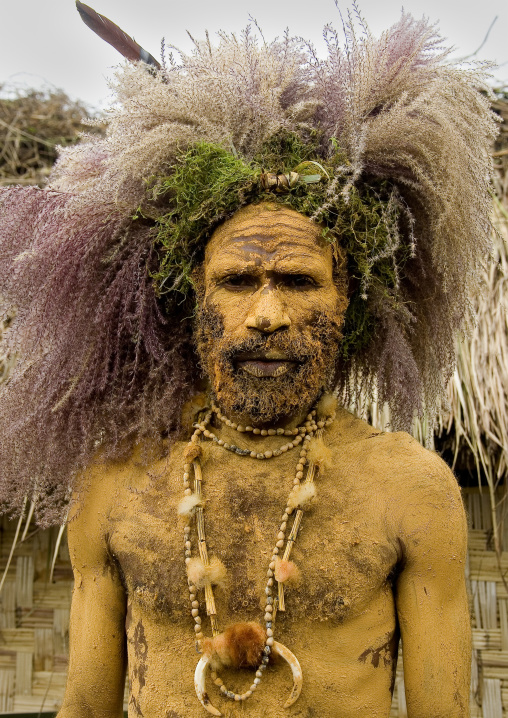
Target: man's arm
[96, 678]
[431, 597]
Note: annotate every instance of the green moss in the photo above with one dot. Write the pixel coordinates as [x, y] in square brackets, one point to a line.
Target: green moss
[209, 184]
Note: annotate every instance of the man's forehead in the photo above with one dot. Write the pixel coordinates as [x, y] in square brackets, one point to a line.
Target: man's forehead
[263, 229]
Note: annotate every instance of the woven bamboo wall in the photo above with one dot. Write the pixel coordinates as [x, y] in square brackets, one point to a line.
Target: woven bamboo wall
[34, 617]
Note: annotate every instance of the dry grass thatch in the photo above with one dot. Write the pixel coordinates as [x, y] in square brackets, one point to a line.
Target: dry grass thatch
[32, 124]
[477, 419]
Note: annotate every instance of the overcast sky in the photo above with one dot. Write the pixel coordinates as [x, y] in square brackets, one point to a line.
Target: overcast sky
[44, 42]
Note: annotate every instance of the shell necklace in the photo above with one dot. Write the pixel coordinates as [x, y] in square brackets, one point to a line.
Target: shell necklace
[203, 573]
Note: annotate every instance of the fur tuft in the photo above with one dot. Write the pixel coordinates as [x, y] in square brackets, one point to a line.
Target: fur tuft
[302, 496]
[188, 504]
[216, 572]
[196, 572]
[199, 574]
[287, 572]
[319, 454]
[240, 646]
[327, 406]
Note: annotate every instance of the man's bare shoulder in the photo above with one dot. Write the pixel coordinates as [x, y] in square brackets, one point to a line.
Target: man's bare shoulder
[396, 463]
[109, 480]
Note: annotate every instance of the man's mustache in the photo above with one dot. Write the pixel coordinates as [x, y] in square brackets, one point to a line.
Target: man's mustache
[293, 349]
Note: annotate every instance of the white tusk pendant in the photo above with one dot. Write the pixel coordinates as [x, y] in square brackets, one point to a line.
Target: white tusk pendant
[199, 685]
[278, 649]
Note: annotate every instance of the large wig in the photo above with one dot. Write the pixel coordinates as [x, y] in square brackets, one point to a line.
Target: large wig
[384, 142]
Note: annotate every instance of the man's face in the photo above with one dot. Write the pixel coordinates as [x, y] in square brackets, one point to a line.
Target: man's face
[270, 317]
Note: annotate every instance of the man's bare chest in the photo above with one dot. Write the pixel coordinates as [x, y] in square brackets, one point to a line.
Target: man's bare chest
[343, 551]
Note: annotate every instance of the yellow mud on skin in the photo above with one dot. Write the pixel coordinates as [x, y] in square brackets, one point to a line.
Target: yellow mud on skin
[384, 491]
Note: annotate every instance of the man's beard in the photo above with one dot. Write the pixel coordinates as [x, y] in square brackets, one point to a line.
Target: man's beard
[267, 400]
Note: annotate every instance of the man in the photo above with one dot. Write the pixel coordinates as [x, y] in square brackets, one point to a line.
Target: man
[307, 223]
[382, 546]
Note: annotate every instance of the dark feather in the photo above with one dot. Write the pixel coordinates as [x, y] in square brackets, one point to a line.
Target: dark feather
[115, 36]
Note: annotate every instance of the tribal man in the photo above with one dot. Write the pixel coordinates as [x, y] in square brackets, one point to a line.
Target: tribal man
[261, 239]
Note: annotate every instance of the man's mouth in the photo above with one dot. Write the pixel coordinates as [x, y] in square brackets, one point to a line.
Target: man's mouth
[271, 363]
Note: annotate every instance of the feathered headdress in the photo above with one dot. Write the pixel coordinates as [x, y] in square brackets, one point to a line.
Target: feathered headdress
[384, 142]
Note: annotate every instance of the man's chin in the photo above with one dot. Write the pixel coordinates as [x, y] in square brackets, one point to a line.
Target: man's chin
[272, 398]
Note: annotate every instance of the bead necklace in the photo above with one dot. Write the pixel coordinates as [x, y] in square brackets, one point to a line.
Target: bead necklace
[192, 506]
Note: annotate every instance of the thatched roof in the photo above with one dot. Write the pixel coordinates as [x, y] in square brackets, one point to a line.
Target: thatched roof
[32, 124]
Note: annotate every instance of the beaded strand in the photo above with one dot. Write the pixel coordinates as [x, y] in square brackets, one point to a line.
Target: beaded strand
[302, 434]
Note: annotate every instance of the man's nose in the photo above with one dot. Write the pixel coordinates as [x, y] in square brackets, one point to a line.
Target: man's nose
[268, 312]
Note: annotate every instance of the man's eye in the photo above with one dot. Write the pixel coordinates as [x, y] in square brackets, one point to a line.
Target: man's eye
[299, 281]
[239, 281]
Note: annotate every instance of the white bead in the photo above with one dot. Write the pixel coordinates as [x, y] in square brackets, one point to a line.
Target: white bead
[257, 681]
[269, 632]
[280, 543]
[269, 641]
[195, 612]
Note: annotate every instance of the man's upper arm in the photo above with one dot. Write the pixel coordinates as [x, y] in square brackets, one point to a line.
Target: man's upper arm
[96, 678]
[431, 596]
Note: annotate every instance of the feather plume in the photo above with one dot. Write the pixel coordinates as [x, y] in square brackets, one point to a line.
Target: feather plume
[114, 35]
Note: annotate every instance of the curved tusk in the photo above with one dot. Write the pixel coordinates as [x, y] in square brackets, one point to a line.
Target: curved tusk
[199, 685]
[280, 650]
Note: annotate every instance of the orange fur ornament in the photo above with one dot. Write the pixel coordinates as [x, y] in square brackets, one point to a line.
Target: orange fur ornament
[240, 646]
[287, 572]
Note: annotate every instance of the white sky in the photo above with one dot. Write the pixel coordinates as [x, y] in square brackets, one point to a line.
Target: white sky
[44, 42]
